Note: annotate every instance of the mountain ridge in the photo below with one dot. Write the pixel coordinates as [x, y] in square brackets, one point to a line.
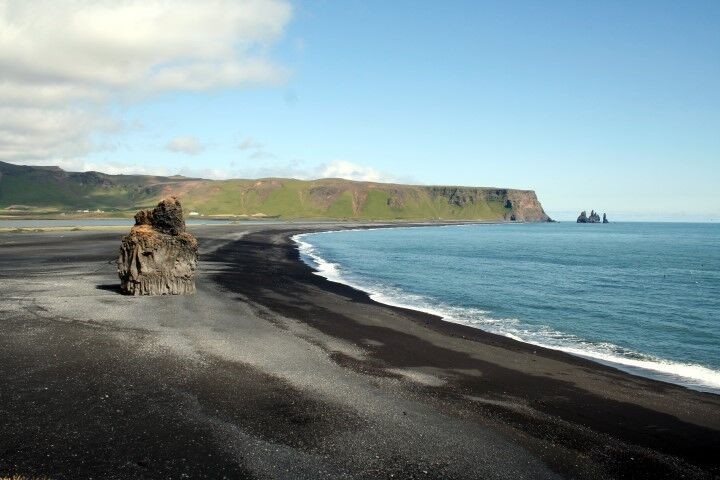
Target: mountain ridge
[52, 189]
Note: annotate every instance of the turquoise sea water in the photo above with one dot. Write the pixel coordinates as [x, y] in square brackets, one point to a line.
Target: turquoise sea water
[644, 297]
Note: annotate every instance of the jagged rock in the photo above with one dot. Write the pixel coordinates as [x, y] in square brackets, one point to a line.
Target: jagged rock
[605, 220]
[143, 217]
[158, 257]
[167, 217]
[594, 217]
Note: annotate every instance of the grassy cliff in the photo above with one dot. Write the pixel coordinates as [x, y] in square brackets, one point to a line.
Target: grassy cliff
[26, 189]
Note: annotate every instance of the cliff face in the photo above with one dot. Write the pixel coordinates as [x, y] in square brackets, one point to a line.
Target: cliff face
[526, 206]
[519, 205]
[330, 198]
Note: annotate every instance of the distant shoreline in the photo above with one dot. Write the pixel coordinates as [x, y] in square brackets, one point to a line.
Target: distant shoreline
[95, 224]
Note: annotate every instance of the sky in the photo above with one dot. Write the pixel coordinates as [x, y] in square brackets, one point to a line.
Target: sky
[612, 105]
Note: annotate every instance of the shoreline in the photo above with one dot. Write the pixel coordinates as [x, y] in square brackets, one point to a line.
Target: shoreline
[600, 392]
[652, 369]
[194, 223]
[270, 370]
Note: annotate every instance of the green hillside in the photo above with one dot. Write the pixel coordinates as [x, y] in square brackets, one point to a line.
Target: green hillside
[50, 190]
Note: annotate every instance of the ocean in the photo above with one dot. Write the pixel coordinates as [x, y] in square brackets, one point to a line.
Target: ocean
[642, 297]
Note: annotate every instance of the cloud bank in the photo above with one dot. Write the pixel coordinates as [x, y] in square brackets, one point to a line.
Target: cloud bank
[352, 171]
[62, 62]
[296, 169]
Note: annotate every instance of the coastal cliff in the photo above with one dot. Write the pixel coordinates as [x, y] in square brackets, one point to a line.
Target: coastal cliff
[526, 206]
[520, 205]
[26, 190]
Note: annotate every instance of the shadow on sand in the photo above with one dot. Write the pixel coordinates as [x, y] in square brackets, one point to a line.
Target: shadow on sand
[110, 287]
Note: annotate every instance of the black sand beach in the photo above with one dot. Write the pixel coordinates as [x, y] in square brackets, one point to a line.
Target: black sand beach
[270, 371]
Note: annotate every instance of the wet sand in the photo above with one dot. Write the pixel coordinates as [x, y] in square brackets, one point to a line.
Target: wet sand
[270, 371]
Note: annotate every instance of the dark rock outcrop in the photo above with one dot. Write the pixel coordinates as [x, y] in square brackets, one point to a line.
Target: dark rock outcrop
[593, 218]
[158, 257]
[605, 220]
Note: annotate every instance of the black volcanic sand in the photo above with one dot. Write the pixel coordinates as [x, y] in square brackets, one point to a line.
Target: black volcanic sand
[270, 371]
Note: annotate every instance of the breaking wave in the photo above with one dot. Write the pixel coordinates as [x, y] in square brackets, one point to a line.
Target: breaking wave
[693, 376]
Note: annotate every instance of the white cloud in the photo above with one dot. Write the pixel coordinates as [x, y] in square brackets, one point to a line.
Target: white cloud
[36, 135]
[301, 170]
[189, 145]
[137, 44]
[294, 169]
[352, 171]
[114, 168]
[66, 59]
[280, 168]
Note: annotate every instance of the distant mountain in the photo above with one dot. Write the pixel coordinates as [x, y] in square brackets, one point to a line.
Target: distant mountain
[53, 190]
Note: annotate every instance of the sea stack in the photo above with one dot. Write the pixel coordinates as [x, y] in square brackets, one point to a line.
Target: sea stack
[605, 220]
[593, 218]
[158, 257]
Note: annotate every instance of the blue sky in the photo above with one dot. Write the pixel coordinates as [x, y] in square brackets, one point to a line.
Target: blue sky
[607, 105]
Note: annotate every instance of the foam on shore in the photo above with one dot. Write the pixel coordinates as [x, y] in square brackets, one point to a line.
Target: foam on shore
[697, 377]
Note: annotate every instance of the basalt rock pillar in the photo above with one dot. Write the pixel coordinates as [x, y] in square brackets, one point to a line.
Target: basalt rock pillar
[158, 257]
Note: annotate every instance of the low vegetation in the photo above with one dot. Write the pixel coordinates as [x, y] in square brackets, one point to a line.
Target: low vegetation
[32, 191]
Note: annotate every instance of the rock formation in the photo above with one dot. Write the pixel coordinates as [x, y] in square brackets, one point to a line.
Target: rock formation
[158, 257]
[605, 220]
[593, 218]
